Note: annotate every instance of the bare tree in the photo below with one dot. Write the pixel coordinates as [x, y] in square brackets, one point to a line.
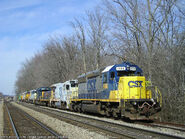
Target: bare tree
[98, 27]
[149, 33]
[139, 24]
[80, 33]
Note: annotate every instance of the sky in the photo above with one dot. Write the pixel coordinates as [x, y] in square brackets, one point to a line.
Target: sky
[25, 25]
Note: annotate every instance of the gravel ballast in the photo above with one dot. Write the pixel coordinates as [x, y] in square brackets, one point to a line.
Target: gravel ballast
[1, 118]
[181, 134]
[63, 128]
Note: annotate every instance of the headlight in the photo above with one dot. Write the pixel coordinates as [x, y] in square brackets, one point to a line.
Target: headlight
[134, 103]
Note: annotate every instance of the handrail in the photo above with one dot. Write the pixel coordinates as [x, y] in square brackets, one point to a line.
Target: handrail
[159, 96]
[157, 92]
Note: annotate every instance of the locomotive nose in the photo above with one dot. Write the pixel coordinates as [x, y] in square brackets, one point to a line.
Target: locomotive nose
[137, 99]
[132, 87]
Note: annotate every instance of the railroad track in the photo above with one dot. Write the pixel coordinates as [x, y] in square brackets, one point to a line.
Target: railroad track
[115, 129]
[179, 128]
[21, 125]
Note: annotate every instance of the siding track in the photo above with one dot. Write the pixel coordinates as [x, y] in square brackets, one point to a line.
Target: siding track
[24, 125]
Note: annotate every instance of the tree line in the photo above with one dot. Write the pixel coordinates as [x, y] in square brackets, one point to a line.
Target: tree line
[147, 33]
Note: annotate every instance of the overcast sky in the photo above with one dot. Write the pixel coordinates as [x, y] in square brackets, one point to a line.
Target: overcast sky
[24, 27]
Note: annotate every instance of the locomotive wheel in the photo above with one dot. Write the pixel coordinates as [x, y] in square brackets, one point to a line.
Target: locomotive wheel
[79, 109]
[75, 108]
[107, 112]
[115, 114]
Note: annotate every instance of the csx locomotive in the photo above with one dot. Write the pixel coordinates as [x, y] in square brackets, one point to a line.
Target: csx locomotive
[119, 90]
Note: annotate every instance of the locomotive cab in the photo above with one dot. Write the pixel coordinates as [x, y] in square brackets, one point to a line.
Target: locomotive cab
[43, 95]
[69, 90]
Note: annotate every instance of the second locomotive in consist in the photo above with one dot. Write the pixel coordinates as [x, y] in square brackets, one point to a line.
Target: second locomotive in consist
[119, 91]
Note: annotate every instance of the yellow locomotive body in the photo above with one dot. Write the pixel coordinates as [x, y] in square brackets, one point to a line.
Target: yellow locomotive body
[27, 96]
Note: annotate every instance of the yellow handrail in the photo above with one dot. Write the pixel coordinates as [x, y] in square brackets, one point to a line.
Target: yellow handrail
[158, 95]
[148, 83]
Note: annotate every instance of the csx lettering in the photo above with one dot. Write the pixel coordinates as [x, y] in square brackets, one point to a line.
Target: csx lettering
[135, 84]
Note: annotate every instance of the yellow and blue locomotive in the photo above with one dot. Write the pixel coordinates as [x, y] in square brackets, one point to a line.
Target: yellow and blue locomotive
[119, 90]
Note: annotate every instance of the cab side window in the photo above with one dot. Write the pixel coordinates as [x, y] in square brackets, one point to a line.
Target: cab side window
[112, 75]
[67, 87]
[53, 89]
[104, 78]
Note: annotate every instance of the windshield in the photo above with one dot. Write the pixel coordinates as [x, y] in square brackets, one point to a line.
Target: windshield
[44, 89]
[73, 84]
[126, 73]
[53, 88]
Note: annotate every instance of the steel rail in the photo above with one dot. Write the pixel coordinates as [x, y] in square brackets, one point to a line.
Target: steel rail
[86, 123]
[168, 127]
[12, 123]
[117, 124]
[36, 121]
[43, 126]
[107, 122]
